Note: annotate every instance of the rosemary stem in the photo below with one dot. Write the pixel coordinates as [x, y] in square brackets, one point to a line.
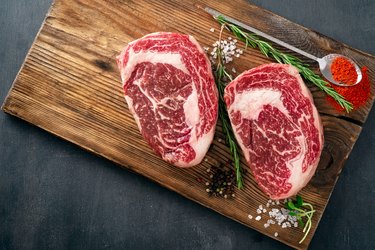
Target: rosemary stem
[220, 73]
[269, 51]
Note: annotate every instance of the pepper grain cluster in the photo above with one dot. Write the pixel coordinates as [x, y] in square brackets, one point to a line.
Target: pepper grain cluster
[221, 180]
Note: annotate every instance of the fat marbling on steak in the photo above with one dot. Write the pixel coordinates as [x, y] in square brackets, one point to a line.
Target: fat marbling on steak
[170, 90]
[277, 127]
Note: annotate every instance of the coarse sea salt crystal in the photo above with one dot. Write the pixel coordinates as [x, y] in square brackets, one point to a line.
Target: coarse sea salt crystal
[250, 216]
[212, 30]
[284, 211]
[228, 50]
[277, 215]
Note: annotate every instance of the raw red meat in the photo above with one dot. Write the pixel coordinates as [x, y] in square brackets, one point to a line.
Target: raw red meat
[170, 90]
[277, 126]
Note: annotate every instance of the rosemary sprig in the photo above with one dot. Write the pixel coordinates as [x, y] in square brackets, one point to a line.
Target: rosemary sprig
[269, 51]
[221, 79]
[296, 209]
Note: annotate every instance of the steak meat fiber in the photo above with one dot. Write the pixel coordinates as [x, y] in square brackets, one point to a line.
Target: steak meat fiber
[277, 127]
[170, 90]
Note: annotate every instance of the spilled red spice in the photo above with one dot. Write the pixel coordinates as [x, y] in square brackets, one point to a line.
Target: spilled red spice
[357, 94]
[343, 71]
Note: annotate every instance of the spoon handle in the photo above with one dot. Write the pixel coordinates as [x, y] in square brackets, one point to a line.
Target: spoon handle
[215, 14]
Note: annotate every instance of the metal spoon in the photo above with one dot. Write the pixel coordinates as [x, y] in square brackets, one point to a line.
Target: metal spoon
[324, 62]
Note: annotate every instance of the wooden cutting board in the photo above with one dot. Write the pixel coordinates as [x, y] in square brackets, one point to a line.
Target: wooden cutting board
[69, 85]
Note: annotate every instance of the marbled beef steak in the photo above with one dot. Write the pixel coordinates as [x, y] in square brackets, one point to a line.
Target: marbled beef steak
[170, 90]
[277, 126]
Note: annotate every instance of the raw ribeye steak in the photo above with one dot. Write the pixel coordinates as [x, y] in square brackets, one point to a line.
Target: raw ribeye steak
[170, 90]
[277, 127]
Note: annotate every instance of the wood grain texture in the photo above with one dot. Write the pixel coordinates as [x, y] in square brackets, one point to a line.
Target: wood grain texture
[69, 85]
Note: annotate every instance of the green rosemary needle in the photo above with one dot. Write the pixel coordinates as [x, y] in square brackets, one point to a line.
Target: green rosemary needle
[301, 209]
[269, 51]
[221, 79]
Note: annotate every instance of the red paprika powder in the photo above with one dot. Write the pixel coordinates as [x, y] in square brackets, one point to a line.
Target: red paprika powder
[357, 94]
[343, 71]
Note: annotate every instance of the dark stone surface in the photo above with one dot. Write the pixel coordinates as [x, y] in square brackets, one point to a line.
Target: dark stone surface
[54, 195]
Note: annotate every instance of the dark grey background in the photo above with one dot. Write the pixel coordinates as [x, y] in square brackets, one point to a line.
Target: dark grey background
[55, 195]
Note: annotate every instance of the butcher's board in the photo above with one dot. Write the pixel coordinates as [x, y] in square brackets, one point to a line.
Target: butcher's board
[69, 85]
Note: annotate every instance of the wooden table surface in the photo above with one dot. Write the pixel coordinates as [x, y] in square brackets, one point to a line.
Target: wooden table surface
[52, 194]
